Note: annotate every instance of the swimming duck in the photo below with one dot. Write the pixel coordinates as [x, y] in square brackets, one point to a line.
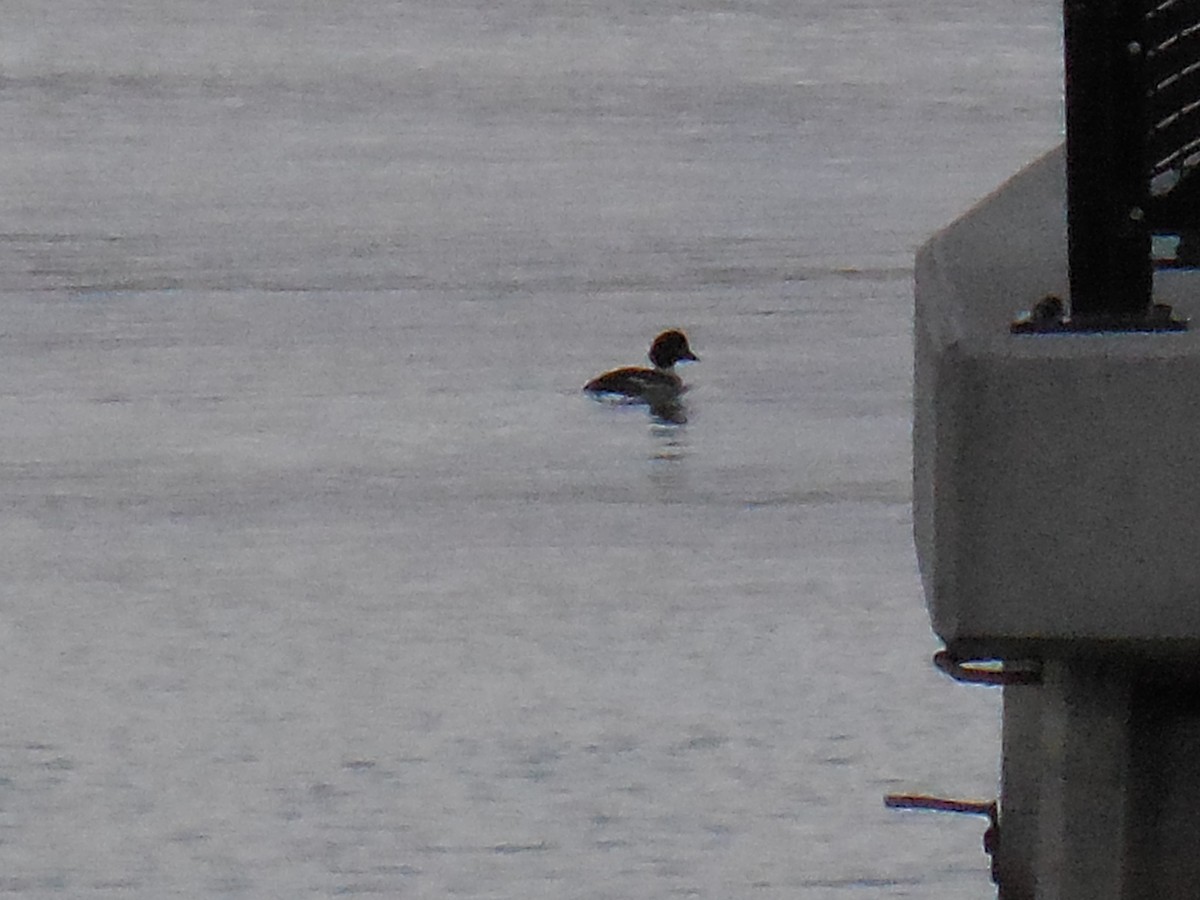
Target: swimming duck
[659, 387]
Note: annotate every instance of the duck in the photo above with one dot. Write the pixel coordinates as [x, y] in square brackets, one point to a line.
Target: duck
[660, 387]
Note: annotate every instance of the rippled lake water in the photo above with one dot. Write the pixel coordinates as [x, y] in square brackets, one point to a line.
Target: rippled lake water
[321, 576]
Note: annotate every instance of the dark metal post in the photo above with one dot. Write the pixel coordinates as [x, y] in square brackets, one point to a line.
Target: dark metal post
[1107, 183]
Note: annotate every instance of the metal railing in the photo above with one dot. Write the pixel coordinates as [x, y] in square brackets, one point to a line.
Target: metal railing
[1133, 152]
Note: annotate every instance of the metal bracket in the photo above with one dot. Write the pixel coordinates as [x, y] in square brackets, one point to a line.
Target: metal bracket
[989, 808]
[989, 672]
[1048, 316]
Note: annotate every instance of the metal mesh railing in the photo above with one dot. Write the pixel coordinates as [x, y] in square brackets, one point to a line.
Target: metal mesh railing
[1133, 153]
[1171, 44]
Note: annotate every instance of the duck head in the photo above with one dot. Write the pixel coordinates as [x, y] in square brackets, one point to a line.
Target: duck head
[669, 348]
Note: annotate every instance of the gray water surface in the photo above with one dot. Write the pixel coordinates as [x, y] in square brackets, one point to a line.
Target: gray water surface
[322, 578]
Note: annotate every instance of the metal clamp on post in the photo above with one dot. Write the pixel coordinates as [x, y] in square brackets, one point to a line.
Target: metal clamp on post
[990, 672]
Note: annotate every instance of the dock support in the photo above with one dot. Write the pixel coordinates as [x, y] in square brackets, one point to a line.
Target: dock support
[1083, 832]
[1016, 853]
[1101, 783]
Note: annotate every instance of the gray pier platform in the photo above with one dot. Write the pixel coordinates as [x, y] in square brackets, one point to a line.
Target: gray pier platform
[1057, 523]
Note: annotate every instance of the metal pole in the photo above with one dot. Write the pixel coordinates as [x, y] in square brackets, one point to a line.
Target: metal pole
[1107, 182]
